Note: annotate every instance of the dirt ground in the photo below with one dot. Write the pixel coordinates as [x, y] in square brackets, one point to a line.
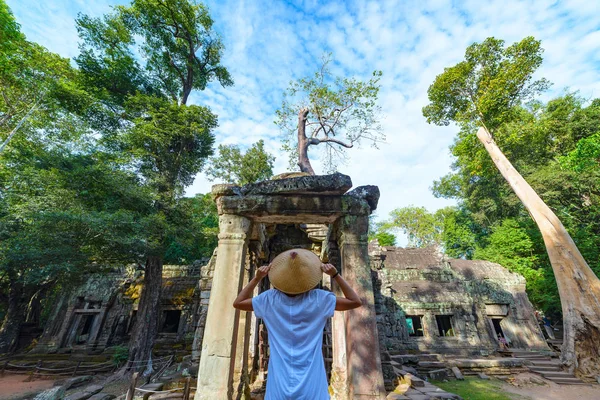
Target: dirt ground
[16, 387]
[549, 390]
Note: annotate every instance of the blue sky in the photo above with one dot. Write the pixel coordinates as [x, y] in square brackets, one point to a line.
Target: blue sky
[269, 43]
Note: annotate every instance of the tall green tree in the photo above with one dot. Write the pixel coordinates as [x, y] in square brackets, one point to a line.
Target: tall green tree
[325, 109]
[145, 115]
[233, 166]
[63, 213]
[488, 89]
[33, 83]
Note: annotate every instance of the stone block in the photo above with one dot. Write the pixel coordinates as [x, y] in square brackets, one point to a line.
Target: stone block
[55, 393]
[102, 396]
[86, 393]
[481, 375]
[334, 184]
[444, 396]
[457, 374]
[415, 381]
[438, 374]
[396, 396]
[79, 396]
[75, 382]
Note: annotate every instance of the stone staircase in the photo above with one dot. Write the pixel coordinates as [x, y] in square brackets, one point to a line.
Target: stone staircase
[548, 367]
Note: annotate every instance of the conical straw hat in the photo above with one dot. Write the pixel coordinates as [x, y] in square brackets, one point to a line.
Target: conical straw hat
[295, 271]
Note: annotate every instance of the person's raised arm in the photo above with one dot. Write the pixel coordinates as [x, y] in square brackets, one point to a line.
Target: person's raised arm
[351, 299]
[244, 300]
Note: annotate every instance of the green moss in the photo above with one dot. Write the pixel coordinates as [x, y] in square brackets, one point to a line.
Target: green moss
[477, 389]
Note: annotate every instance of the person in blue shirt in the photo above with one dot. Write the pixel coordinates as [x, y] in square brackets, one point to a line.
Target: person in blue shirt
[295, 313]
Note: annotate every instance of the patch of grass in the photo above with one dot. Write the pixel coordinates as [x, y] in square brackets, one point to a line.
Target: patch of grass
[473, 388]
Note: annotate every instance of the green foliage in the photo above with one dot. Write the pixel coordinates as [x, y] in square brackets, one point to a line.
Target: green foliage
[385, 238]
[120, 354]
[140, 103]
[196, 226]
[553, 146]
[34, 84]
[175, 37]
[341, 112]
[421, 226]
[473, 388]
[233, 166]
[450, 228]
[487, 86]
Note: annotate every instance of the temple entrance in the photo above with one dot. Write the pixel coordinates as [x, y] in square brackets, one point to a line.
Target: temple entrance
[257, 222]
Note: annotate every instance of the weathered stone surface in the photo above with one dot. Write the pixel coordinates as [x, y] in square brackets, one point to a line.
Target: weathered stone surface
[55, 393]
[438, 374]
[457, 374]
[335, 184]
[225, 189]
[369, 193]
[481, 375]
[102, 396]
[79, 396]
[415, 381]
[425, 285]
[86, 393]
[215, 376]
[396, 396]
[76, 381]
[292, 209]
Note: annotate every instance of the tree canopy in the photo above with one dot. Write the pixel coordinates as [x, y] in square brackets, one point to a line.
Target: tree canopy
[333, 110]
[233, 166]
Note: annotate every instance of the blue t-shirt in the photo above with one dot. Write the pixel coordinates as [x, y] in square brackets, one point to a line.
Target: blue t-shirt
[295, 326]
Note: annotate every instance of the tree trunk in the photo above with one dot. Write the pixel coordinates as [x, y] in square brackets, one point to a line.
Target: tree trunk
[578, 286]
[146, 324]
[303, 143]
[15, 315]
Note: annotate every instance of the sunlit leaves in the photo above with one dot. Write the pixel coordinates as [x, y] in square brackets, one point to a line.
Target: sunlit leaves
[233, 166]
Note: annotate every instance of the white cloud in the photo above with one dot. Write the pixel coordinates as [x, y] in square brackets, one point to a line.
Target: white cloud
[270, 43]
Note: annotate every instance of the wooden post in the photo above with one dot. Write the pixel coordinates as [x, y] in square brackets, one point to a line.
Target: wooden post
[76, 368]
[131, 390]
[186, 389]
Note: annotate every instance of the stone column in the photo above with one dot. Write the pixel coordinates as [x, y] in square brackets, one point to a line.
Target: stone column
[339, 372]
[215, 374]
[240, 374]
[365, 376]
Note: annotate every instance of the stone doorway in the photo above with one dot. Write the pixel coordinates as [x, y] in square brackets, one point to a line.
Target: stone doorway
[248, 220]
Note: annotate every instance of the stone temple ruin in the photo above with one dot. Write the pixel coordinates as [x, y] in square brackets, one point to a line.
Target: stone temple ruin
[428, 303]
[415, 300]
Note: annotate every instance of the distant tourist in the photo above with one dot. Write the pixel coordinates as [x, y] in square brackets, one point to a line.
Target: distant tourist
[503, 342]
[295, 314]
[548, 327]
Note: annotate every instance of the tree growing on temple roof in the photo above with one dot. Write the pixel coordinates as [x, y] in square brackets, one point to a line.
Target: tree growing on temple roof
[487, 90]
[331, 110]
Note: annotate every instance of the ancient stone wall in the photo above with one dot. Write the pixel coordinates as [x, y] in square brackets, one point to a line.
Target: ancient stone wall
[101, 311]
[428, 303]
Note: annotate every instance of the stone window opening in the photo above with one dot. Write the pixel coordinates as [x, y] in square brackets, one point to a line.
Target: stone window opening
[498, 328]
[170, 321]
[415, 325]
[444, 323]
[86, 324]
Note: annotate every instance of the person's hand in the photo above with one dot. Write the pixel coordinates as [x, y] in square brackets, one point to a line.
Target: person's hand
[329, 269]
[263, 271]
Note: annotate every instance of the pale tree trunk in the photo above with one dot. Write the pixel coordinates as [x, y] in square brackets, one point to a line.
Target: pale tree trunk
[578, 286]
[146, 324]
[303, 143]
